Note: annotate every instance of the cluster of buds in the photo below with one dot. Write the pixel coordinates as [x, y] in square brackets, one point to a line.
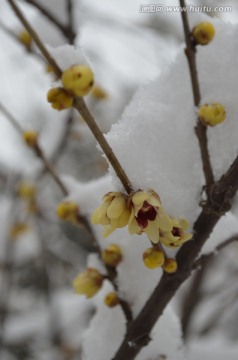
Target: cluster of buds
[209, 114]
[77, 80]
[155, 257]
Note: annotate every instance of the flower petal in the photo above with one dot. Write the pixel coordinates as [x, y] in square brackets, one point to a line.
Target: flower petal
[116, 207]
[152, 231]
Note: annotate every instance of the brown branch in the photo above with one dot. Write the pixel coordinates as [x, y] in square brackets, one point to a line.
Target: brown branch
[200, 129]
[70, 11]
[82, 108]
[79, 104]
[36, 38]
[65, 30]
[138, 333]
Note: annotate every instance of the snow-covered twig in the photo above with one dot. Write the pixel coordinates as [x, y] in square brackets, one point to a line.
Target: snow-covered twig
[79, 103]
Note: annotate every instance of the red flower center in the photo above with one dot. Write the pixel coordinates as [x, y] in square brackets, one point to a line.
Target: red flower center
[176, 231]
[146, 213]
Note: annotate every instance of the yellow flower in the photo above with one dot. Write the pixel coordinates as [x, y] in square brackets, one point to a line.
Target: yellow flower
[170, 266]
[113, 213]
[212, 114]
[153, 258]
[68, 211]
[59, 98]
[78, 79]
[112, 255]
[148, 215]
[203, 33]
[177, 236]
[30, 137]
[111, 300]
[88, 283]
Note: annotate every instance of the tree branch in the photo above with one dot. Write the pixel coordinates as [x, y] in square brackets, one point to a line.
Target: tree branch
[79, 103]
[200, 129]
[137, 335]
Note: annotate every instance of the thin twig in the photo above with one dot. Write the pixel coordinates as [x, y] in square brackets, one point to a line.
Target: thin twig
[79, 104]
[65, 30]
[70, 11]
[37, 149]
[200, 129]
[36, 38]
[203, 259]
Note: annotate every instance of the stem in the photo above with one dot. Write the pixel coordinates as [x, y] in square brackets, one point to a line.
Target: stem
[200, 129]
[79, 104]
[65, 30]
[36, 38]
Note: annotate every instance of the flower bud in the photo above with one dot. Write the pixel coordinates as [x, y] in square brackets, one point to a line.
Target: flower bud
[18, 229]
[30, 138]
[212, 114]
[88, 283]
[67, 211]
[111, 300]
[25, 38]
[153, 258]
[112, 255]
[203, 33]
[78, 79]
[26, 191]
[170, 266]
[59, 98]
[99, 93]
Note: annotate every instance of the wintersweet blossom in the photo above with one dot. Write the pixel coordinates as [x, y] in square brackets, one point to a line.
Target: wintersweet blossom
[113, 213]
[88, 283]
[148, 215]
[177, 236]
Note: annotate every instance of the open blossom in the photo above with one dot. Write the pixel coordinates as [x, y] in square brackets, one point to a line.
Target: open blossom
[113, 213]
[88, 283]
[148, 215]
[177, 236]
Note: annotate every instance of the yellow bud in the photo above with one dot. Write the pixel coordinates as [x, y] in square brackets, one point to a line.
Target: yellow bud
[78, 79]
[99, 93]
[153, 258]
[30, 138]
[60, 99]
[170, 266]
[49, 68]
[67, 211]
[203, 33]
[25, 38]
[212, 114]
[112, 255]
[18, 230]
[26, 191]
[111, 300]
[88, 283]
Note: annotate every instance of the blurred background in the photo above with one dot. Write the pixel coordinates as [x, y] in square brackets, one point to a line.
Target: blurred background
[40, 317]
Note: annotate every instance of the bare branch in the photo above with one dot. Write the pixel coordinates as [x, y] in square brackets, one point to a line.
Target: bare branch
[200, 129]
